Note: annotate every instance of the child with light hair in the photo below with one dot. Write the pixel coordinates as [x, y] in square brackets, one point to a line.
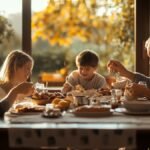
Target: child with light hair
[86, 75]
[17, 68]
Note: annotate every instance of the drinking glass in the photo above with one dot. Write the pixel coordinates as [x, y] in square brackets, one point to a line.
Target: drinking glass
[39, 86]
[118, 93]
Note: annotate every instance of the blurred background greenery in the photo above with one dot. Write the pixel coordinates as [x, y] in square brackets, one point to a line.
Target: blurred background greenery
[63, 28]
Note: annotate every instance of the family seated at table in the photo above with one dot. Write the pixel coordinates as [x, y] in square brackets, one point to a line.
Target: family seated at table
[18, 65]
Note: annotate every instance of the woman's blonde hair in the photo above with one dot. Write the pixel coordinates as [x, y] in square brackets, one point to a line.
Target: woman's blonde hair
[14, 60]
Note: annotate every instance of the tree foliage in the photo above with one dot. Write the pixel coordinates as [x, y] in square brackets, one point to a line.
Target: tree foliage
[6, 30]
[108, 24]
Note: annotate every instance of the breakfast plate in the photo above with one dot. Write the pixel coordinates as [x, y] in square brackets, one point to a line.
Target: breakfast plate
[92, 111]
[90, 92]
[27, 110]
[137, 105]
[92, 114]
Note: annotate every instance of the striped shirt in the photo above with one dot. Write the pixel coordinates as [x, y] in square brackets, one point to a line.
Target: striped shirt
[141, 77]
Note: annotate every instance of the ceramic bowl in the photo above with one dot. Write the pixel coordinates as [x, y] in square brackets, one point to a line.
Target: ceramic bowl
[137, 105]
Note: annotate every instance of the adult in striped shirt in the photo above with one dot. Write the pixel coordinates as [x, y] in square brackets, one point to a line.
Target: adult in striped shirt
[86, 74]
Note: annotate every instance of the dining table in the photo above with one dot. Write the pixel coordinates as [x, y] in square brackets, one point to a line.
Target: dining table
[111, 131]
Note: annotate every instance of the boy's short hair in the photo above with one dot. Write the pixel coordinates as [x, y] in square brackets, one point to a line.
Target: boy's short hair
[87, 58]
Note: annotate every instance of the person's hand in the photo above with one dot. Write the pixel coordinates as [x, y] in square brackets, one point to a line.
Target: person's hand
[117, 67]
[66, 88]
[25, 88]
[147, 46]
[20, 91]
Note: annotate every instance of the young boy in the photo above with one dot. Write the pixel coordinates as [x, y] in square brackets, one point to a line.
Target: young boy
[87, 62]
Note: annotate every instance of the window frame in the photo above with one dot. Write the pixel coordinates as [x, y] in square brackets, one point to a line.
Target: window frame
[142, 32]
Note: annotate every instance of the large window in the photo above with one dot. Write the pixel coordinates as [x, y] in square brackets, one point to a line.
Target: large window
[10, 27]
[60, 32]
[61, 29]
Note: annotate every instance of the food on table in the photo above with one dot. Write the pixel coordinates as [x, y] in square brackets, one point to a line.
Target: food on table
[27, 107]
[44, 97]
[79, 88]
[56, 101]
[51, 112]
[128, 93]
[87, 108]
[63, 105]
[91, 92]
[104, 91]
[68, 101]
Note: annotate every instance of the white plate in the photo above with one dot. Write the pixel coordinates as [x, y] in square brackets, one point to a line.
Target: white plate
[13, 111]
[92, 114]
[137, 105]
[124, 110]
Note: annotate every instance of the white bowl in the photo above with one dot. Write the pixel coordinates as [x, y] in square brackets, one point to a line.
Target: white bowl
[137, 105]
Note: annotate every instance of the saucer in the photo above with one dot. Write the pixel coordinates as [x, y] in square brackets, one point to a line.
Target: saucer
[125, 111]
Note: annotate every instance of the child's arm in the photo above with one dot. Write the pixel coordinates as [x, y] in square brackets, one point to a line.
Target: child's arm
[66, 88]
[71, 81]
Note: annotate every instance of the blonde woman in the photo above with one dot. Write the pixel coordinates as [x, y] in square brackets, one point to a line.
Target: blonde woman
[16, 69]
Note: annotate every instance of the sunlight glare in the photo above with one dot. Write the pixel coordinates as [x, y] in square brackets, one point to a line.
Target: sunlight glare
[15, 6]
[38, 5]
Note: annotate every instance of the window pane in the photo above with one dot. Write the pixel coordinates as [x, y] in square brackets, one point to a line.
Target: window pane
[64, 28]
[11, 11]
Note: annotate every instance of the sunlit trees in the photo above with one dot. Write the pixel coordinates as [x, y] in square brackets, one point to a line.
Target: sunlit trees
[6, 30]
[63, 21]
[107, 24]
